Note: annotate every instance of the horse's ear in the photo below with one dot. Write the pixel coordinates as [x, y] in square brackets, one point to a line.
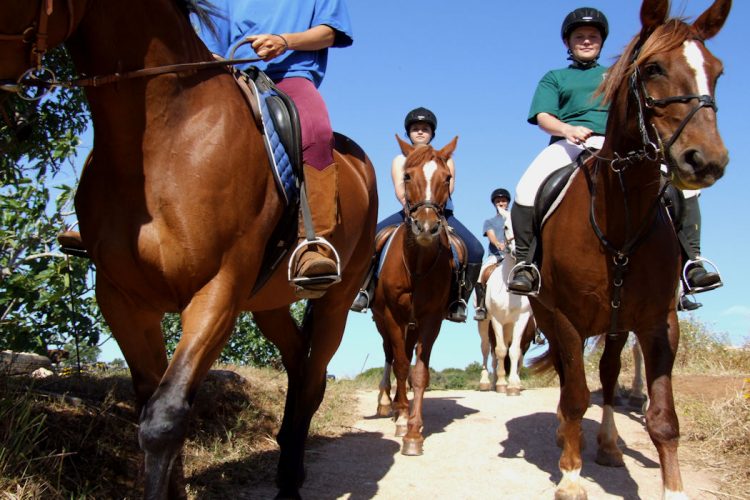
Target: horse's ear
[653, 14]
[406, 148]
[710, 22]
[448, 149]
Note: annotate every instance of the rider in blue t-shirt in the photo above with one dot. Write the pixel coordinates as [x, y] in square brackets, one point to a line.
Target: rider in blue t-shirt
[494, 229]
[292, 37]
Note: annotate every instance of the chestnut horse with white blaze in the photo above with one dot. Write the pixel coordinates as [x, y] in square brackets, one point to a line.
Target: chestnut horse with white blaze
[612, 259]
[411, 297]
[176, 206]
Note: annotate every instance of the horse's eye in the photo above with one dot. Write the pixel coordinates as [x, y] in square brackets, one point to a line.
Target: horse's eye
[653, 69]
[407, 177]
[448, 179]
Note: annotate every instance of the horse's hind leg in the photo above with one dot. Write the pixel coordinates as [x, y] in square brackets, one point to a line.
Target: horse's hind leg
[384, 392]
[484, 380]
[608, 453]
[637, 398]
[659, 347]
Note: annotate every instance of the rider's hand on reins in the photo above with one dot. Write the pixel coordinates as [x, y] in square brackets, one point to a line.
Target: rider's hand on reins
[268, 46]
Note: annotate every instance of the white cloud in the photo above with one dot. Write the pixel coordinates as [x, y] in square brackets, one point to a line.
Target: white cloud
[743, 311]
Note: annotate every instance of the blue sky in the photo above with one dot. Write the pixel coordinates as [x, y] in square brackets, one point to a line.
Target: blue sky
[476, 63]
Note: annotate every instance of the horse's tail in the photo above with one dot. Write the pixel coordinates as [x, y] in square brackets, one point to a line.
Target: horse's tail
[542, 364]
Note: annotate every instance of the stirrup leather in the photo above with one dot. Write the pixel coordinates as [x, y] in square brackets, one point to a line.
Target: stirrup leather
[536, 278]
[304, 281]
[688, 290]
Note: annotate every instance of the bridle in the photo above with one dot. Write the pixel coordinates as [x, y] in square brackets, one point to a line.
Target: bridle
[35, 35]
[44, 78]
[649, 151]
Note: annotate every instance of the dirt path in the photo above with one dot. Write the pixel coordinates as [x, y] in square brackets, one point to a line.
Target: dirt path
[481, 445]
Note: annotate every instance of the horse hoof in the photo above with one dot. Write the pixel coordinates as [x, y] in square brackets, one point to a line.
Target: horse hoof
[384, 411]
[513, 391]
[412, 447]
[636, 401]
[571, 494]
[484, 387]
[501, 389]
[609, 459]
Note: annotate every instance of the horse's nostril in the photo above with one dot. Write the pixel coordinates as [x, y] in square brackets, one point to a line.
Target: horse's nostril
[694, 158]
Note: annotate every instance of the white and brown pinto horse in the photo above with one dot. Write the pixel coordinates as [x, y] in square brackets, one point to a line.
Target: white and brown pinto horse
[508, 317]
[411, 297]
[612, 258]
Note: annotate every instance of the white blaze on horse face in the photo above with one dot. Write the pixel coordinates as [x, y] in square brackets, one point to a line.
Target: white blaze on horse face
[429, 170]
[695, 60]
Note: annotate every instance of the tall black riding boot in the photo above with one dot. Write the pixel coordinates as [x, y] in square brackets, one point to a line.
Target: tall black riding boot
[522, 279]
[457, 309]
[480, 312]
[364, 296]
[690, 238]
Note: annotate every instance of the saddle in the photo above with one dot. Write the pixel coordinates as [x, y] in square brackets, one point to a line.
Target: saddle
[277, 119]
[485, 276]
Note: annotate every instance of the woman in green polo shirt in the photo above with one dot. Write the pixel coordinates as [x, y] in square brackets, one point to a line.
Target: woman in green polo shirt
[563, 107]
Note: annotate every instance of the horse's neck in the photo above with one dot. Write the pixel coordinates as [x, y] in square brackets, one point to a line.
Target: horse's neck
[121, 36]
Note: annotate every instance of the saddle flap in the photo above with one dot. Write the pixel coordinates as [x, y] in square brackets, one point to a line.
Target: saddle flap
[382, 237]
[459, 248]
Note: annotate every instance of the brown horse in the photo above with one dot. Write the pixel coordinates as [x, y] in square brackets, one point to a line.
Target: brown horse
[612, 260]
[411, 297]
[176, 205]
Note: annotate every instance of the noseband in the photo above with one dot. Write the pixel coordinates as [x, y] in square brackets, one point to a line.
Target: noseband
[642, 98]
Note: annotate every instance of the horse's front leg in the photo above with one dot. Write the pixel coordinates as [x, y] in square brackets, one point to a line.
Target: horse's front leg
[501, 350]
[608, 453]
[514, 353]
[420, 379]
[659, 347]
[484, 336]
[637, 398]
[574, 400]
[207, 322]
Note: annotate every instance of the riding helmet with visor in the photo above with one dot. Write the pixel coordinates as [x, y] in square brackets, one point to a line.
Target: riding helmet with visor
[499, 193]
[584, 16]
[420, 115]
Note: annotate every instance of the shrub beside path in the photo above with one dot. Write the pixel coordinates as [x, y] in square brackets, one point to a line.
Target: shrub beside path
[482, 445]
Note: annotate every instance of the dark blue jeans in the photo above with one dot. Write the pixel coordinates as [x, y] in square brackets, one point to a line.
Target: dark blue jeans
[473, 246]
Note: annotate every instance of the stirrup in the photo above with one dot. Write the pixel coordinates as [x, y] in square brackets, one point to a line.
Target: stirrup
[536, 278]
[688, 290]
[687, 303]
[453, 317]
[477, 311]
[361, 293]
[312, 287]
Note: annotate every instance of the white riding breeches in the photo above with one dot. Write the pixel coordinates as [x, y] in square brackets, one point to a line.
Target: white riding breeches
[553, 157]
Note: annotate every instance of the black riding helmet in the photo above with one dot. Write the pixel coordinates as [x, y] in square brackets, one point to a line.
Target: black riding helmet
[500, 192]
[420, 115]
[585, 16]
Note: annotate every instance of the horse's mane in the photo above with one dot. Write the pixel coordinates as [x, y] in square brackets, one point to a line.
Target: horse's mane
[204, 11]
[673, 33]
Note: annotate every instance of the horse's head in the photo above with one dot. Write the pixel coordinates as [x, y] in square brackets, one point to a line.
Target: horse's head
[510, 239]
[28, 28]
[427, 181]
[672, 77]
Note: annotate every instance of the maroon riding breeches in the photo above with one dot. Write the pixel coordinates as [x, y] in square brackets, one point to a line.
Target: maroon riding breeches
[317, 134]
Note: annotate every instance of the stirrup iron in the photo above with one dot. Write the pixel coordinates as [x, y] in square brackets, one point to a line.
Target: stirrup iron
[687, 289]
[536, 278]
[304, 281]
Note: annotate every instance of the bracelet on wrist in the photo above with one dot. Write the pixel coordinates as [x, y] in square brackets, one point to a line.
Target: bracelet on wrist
[283, 39]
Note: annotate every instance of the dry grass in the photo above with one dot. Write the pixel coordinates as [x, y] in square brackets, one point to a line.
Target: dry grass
[77, 437]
